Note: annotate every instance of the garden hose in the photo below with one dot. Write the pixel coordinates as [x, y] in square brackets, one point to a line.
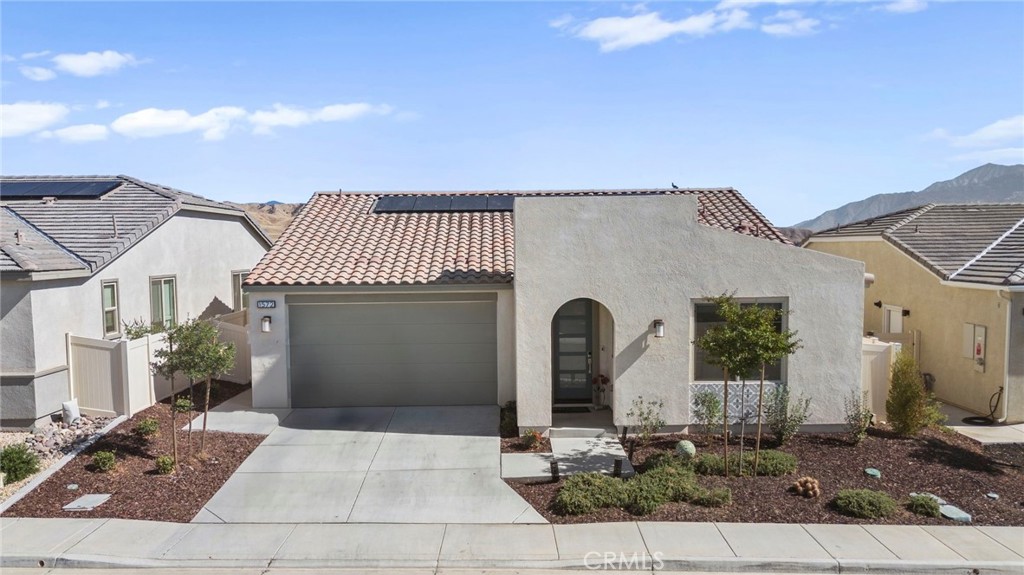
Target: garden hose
[990, 419]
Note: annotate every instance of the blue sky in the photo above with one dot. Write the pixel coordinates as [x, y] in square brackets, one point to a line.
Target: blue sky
[803, 106]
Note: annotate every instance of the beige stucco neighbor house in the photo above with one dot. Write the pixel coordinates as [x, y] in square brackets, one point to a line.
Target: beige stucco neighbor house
[489, 297]
[951, 277]
[82, 255]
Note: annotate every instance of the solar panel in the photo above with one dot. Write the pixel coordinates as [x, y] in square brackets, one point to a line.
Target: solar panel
[469, 203]
[433, 204]
[499, 203]
[394, 204]
[74, 189]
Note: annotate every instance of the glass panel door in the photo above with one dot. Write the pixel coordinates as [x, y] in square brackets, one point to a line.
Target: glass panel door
[572, 337]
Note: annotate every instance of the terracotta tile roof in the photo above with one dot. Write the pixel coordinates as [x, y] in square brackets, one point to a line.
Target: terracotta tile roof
[337, 239]
[977, 243]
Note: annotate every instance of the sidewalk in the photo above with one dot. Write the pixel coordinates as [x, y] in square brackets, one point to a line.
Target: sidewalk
[633, 546]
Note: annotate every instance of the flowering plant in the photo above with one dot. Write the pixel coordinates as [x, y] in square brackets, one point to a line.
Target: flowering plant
[602, 382]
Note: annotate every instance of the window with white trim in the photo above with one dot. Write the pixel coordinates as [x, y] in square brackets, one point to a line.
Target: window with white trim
[240, 299]
[163, 301]
[111, 314]
[705, 316]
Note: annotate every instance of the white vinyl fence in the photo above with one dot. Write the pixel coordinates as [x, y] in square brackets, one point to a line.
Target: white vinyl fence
[876, 372]
[116, 378]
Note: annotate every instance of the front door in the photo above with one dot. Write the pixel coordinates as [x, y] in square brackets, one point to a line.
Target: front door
[572, 334]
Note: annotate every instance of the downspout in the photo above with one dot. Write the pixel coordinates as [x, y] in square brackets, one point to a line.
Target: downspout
[1006, 354]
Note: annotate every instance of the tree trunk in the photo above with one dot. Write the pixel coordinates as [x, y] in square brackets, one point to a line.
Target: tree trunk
[206, 414]
[192, 403]
[760, 411]
[743, 421]
[725, 419]
[174, 426]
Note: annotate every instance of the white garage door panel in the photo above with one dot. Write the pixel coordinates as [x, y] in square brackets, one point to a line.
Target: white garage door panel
[437, 353]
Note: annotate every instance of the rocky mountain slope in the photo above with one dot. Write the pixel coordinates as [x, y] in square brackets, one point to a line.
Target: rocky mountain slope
[273, 217]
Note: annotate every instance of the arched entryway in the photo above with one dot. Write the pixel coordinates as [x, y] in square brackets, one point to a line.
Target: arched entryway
[582, 356]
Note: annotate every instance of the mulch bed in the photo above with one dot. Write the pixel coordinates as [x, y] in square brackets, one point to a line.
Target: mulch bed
[515, 445]
[137, 490]
[949, 465]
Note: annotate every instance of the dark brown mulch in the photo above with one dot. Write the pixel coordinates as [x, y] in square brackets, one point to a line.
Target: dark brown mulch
[949, 465]
[137, 491]
[515, 445]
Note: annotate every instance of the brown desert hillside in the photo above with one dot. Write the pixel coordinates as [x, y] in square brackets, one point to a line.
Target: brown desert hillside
[273, 217]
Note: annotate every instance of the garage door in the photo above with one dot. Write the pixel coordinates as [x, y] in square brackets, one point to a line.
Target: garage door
[393, 353]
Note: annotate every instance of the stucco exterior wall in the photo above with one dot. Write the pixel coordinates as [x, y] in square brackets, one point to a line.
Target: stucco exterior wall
[1015, 361]
[16, 332]
[270, 367]
[201, 250]
[939, 312]
[647, 258]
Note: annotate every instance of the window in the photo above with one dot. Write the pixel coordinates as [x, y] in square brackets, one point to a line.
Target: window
[111, 315]
[892, 319]
[240, 299]
[705, 316]
[163, 303]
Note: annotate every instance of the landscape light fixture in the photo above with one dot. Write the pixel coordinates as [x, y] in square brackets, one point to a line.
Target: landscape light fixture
[878, 304]
[659, 328]
[265, 324]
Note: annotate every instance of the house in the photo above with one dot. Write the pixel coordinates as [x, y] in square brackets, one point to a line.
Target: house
[949, 278]
[84, 255]
[489, 297]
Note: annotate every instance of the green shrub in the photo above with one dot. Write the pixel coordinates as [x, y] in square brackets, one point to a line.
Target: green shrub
[664, 459]
[709, 464]
[587, 492]
[784, 419]
[645, 493]
[148, 427]
[531, 438]
[678, 482]
[923, 505]
[18, 462]
[182, 405]
[104, 460]
[907, 403]
[707, 410]
[771, 463]
[509, 426]
[858, 416]
[865, 503]
[165, 465]
[719, 497]
[647, 415]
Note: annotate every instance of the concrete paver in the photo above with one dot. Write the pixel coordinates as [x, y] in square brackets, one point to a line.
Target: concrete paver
[129, 538]
[771, 541]
[286, 497]
[911, 543]
[44, 538]
[400, 452]
[579, 543]
[1010, 537]
[236, 415]
[349, 455]
[589, 454]
[471, 545]
[530, 515]
[229, 542]
[532, 466]
[848, 542]
[971, 544]
[361, 545]
[680, 540]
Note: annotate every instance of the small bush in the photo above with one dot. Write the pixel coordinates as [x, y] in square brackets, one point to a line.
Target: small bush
[165, 465]
[719, 497]
[664, 459]
[182, 405]
[784, 419]
[136, 328]
[865, 503]
[923, 505]
[647, 415]
[104, 460]
[907, 403]
[709, 464]
[678, 482]
[18, 462]
[645, 493]
[707, 410]
[509, 426]
[771, 463]
[774, 463]
[587, 492]
[148, 427]
[858, 416]
[531, 438]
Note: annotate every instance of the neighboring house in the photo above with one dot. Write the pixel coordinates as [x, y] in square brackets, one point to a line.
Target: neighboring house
[954, 276]
[484, 298]
[84, 255]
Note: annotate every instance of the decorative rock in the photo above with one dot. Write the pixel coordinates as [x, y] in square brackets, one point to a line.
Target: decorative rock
[72, 487]
[992, 495]
[871, 471]
[685, 450]
[954, 513]
[937, 499]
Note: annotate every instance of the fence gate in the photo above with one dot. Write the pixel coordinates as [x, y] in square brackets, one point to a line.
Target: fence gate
[96, 372]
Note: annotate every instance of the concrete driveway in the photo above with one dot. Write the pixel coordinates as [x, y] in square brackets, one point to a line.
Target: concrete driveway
[374, 465]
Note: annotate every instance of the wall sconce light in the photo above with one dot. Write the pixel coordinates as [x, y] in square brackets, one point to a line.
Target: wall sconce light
[906, 313]
[659, 328]
[878, 304]
[265, 324]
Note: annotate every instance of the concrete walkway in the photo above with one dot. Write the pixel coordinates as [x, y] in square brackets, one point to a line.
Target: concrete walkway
[692, 547]
[984, 434]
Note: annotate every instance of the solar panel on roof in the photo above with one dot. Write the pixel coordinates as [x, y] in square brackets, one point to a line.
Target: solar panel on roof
[469, 203]
[499, 203]
[394, 204]
[433, 204]
[74, 189]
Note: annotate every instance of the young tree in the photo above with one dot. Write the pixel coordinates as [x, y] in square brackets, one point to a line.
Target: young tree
[770, 345]
[203, 358]
[729, 346]
[167, 364]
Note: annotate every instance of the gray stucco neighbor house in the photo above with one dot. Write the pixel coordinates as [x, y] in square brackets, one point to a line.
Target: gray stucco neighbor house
[81, 255]
[487, 297]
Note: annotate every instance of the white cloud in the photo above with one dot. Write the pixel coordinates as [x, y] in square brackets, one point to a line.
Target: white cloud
[903, 6]
[619, 33]
[789, 23]
[1001, 132]
[37, 74]
[32, 55]
[8, 58]
[264, 121]
[79, 133]
[997, 156]
[93, 63]
[734, 20]
[102, 104]
[562, 21]
[729, 4]
[22, 118]
[153, 122]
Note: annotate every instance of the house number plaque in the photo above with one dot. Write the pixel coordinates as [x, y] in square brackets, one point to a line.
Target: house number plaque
[266, 304]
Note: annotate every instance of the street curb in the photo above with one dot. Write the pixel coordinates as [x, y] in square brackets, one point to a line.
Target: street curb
[38, 479]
